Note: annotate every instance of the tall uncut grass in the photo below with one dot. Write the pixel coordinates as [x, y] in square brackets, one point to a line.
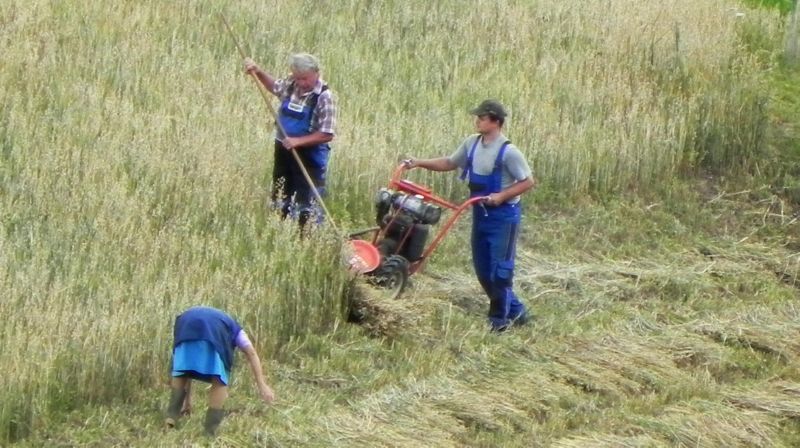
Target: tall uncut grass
[792, 52]
[134, 153]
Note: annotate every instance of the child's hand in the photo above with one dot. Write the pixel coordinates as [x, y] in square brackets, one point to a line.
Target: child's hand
[267, 394]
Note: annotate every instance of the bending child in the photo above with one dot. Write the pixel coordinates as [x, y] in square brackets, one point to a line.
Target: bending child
[205, 341]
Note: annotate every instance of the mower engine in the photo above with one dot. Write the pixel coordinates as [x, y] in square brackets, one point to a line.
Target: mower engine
[405, 222]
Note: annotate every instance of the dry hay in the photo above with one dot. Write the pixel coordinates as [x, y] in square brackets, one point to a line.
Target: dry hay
[608, 441]
[425, 292]
[697, 424]
[617, 368]
[474, 401]
[781, 399]
[399, 416]
[381, 316]
[449, 411]
[761, 332]
[701, 423]
[481, 399]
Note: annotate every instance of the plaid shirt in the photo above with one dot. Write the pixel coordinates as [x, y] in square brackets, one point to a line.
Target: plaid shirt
[323, 118]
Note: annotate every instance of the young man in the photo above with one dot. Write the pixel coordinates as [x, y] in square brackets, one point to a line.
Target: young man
[497, 171]
[203, 349]
[307, 113]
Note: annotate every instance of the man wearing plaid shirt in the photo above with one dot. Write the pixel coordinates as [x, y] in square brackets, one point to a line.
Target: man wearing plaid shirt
[308, 115]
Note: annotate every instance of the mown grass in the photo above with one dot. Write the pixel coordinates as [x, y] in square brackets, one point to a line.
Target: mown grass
[671, 348]
[133, 155]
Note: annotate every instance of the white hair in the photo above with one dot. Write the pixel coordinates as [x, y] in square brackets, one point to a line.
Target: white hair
[303, 62]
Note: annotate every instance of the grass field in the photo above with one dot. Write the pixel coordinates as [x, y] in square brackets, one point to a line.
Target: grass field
[660, 251]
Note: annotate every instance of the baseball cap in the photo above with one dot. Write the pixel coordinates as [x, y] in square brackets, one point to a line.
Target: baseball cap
[490, 107]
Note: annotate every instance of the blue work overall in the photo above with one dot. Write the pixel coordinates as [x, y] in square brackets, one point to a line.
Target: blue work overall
[297, 198]
[494, 236]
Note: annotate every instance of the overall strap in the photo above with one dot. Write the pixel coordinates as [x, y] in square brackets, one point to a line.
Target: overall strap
[498, 162]
[470, 156]
[497, 172]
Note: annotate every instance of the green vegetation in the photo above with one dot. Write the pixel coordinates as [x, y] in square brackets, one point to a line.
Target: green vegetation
[785, 6]
[660, 254]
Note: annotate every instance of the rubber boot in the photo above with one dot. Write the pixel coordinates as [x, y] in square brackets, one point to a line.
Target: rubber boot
[213, 419]
[174, 409]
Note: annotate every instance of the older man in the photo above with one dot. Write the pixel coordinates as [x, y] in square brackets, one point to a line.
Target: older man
[307, 114]
[497, 171]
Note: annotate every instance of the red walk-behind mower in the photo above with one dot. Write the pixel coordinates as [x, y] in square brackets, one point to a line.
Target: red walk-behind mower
[405, 214]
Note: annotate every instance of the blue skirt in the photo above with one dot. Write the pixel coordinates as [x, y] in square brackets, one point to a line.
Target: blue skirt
[199, 361]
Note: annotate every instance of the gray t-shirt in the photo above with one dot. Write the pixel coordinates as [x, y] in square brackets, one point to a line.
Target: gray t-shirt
[515, 167]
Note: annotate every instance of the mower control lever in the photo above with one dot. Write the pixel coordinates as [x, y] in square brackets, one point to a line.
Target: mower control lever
[482, 202]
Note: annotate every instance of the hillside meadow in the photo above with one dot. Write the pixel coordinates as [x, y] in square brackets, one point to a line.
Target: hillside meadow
[660, 252]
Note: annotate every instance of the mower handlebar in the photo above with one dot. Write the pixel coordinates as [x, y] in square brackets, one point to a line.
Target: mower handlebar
[397, 181]
[480, 199]
[398, 172]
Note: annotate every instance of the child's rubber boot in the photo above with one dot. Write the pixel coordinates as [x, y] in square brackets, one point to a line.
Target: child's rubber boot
[213, 419]
[174, 409]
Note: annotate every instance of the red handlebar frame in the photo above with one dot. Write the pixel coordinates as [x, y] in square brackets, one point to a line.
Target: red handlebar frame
[410, 187]
[407, 186]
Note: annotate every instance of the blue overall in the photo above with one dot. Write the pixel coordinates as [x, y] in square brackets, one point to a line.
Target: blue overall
[290, 190]
[494, 236]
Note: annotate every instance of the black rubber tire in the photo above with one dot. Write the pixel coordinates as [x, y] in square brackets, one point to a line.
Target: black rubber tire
[391, 275]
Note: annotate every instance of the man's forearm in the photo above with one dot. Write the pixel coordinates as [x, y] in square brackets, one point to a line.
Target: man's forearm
[517, 189]
[265, 79]
[439, 164]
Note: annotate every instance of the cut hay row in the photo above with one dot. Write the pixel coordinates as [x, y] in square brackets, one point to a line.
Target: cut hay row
[781, 399]
[705, 423]
[472, 404]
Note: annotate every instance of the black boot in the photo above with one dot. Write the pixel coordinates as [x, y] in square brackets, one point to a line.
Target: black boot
[213, 419]
[175, 404]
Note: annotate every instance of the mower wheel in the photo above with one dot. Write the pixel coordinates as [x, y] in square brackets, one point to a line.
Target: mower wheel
[391, 275]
